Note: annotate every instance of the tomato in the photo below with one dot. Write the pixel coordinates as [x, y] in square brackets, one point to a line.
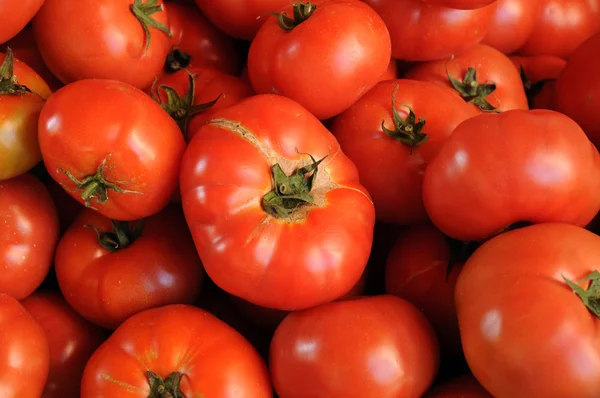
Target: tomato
[577, 91]
[482, 76]
[539, 73]
[72, 342]
[112, 147]
[391, 72]
[391, 147]
[28, 235]
[525, 333]
[422, 32]
[196, 42]
[125, 40]
[240, 18]
[562, 26]
[286, 247]
[17, 16]
[366, 347]
[512, 24]
[109, 271]
[465, 386]
[325, 57]
[517, 166]
[460, 4]
[202, 357]
[24, 353]
[199, 92]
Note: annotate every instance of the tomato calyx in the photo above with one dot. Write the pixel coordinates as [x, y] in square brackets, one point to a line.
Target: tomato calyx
[143, 12]
[473, 92]
[531, 89]
[9, 84]
[177, 60]
[121, 236]
[591, 296]
[164, 388]
[302, 11]
[408, 131]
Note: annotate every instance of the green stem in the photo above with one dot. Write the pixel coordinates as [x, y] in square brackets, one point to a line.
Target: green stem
[302, 11]
[143, 12]
[177, 60]
[9, 83]
[591, 296]
[167, 388]
[121, 236]
[473, 92]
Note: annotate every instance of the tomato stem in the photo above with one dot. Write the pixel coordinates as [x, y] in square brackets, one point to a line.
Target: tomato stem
[143, 12]
[302, 11]
[177, 60]
[591, 296]
[121, 236]
[409, 131]
[9, 84]
[531, 89]
[473, 92]
[167, 388]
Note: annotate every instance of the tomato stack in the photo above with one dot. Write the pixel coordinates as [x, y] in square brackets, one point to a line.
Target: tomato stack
[291, 198]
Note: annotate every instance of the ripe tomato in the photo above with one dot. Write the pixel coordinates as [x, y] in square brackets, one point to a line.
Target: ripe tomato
[449, 31]
[288, 246]
[465, 386]
[562, 26]
[109, 271]
[539, 73]
[460, 4]
[379, 347]
[176, 351]
[496, 170]
[353, 52]
[16, 17]
[524, 331]
[71, 338]
[24, 353]
[125, 40]
[513, 23]
[196, 42]
[391, 72]
[391, 134]
[482, 76]
[111, 147]
[28, 235]
[577, 91]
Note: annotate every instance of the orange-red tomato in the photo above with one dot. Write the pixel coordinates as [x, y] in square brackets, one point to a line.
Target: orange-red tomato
[16, 16]
[513, 23]
[460, 4]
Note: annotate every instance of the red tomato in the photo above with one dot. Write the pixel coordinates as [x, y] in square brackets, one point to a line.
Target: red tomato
[125, 40]
[24, 353]
[562, 26]
[109, 271]
[112, 147]
[16, 17]
[288, 246]
[496, 170]
[179, 349]
[465, 386]
[391, 72]
[196, 42]
[240, 18]
[482, 76]
[449, 31]
[539, 73]
[392, 146]
[524, 331]
[577, 91]
[72, 342]
[28, 235]
[460, 4]
[367, 347]
[353, 53]
[512, 24]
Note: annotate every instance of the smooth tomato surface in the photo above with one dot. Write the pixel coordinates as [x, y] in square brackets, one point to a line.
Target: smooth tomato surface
[513, 23]
[465, 386]
[460, 4]
[16, 17]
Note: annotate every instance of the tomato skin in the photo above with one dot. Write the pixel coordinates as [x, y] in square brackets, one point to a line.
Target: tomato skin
[465, 386]
[525, 333]
[491, 177]
[28, 235]
[215, 360]
[387, 168]
[160, 267]
[72, 341]
[577, 92]
[513, 23]
[449, 31]
[16, 18]
[491, 66]
[233, 174]
[88, 39]
[278, 58]
[24, 353]
[544, 70]
[74, 118]
[393, 350]
[562, 26]
[460, 4]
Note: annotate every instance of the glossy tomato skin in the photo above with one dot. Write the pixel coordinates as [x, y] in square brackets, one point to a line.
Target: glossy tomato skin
[24, 352]
[541, 72]
[525, 333]
[314, 256]
[490, 65]
[562, 26]
[391, 170]
[72, 341]
[87, 39]
[488, 176]
[160, 267]
[113, 122]
[460, 4]
[513, 23]
[28, 235]
[449, 31]
[318, 49]
[465, 386]
[367, 347]
[16, 18]
[577, 92]
[214, 360]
